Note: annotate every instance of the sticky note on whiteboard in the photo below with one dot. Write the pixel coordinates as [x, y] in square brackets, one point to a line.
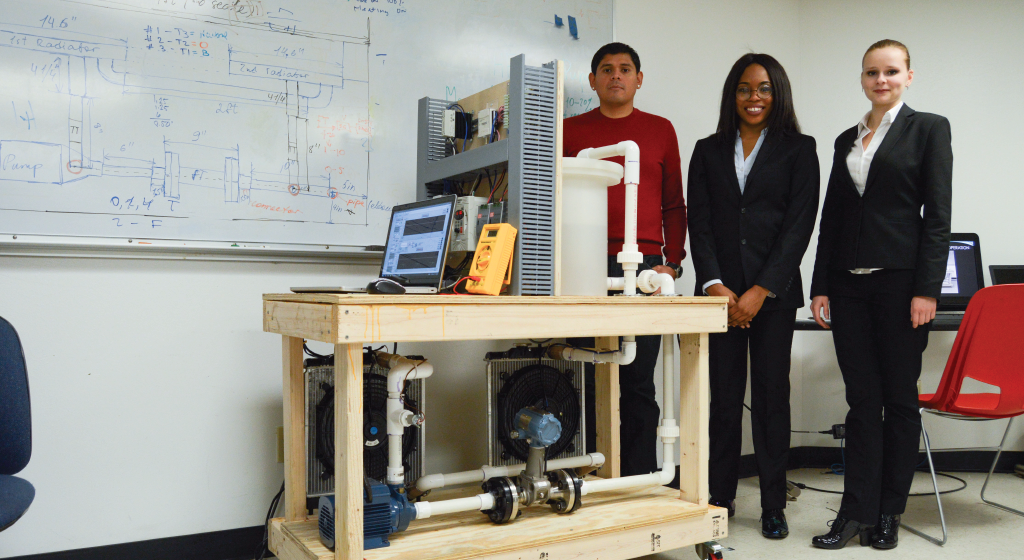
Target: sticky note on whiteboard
[572, 28]
[32, 162]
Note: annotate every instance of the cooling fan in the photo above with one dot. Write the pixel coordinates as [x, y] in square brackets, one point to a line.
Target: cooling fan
[544, 387]
[375, 435]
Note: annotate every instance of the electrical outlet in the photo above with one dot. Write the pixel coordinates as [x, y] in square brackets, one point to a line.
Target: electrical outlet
[280, 444]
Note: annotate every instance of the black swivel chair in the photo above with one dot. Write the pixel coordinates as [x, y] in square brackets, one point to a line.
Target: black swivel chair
[16, 494]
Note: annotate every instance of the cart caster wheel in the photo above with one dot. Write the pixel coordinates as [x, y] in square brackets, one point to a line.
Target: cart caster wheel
[710, 550]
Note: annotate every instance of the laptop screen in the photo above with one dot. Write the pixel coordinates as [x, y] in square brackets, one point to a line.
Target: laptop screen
[418, 241]
[963, 272]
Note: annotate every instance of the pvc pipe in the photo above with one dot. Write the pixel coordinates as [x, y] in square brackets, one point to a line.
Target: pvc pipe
[630, 256]
[479, 502]
[623, 357]
[668, 431]
[486, 472]
[649, 282]
[660, 478]
[402, 369]
[616, 283]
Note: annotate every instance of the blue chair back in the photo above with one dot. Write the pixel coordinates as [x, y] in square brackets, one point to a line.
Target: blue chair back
[15, 409]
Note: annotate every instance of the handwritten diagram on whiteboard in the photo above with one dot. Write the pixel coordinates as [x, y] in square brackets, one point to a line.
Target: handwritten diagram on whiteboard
[234, 120]
[181, 118]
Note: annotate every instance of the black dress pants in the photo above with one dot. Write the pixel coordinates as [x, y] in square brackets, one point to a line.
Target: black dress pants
[879, 352]
[639, 412]
[770, 342]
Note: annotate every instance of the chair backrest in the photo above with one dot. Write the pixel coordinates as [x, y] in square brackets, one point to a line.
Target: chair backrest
[15, 408]
[990, 346]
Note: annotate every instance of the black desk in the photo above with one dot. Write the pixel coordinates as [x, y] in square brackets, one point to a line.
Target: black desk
[940, 323]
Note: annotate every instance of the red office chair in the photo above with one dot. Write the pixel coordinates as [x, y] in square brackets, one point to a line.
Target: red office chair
[989, 349]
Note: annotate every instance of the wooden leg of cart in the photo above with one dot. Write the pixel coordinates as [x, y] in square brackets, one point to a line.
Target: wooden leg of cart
[348, 451]
[694, 412]
[294, 388]
[606, 402]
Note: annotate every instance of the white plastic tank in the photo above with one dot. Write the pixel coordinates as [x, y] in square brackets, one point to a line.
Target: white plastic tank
[584, 240]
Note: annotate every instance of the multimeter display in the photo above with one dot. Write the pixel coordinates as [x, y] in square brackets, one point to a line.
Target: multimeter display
[492, 262]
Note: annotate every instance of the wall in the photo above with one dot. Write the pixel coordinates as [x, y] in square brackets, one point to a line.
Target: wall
[156, 395]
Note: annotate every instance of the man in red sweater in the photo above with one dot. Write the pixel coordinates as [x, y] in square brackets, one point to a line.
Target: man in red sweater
[616, 77]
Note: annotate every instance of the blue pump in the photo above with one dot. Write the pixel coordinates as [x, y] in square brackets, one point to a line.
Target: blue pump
[386, 510]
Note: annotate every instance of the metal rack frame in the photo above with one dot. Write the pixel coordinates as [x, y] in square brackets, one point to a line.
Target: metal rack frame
[529, 151]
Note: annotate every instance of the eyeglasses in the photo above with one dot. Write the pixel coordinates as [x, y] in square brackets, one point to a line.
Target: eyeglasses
[764, 91]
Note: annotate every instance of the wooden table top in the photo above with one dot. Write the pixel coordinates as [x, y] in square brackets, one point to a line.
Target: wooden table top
[448, 299]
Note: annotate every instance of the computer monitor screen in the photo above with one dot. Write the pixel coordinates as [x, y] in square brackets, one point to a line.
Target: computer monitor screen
[963, 272]
[1006, 274]
[418, 241]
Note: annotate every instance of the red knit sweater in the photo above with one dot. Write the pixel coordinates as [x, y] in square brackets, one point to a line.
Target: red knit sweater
[660, 202]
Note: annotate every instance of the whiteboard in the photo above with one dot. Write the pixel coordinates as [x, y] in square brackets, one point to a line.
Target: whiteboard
[247, 122]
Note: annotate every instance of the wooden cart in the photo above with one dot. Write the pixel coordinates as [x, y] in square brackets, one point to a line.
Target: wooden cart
[610, 525]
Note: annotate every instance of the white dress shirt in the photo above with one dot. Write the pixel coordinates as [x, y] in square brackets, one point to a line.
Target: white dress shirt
[858, 161]
[743, 165]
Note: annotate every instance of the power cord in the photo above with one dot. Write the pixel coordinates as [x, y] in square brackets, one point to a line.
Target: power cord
[838, 431]
[963, 484]
[264, 548]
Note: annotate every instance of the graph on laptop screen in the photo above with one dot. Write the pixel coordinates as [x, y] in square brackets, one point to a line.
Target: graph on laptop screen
[416, 244]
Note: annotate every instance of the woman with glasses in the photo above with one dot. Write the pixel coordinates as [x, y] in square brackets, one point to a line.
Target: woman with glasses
[753, 194]
[877, 274]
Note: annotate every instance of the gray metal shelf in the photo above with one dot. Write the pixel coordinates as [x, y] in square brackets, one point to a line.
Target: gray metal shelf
[464, 166]
[529, 153]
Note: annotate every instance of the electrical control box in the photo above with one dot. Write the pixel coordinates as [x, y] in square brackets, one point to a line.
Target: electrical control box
[448, 123]
[465, 224]
[492, 263]
[485, 123]
[493, 213]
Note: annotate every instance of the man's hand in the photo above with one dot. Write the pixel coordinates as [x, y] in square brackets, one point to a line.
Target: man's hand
[819, 308]
[747, 307]
[662, 269]
[922, 310]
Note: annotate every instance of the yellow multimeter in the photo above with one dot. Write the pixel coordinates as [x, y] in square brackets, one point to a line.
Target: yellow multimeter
[492, 262]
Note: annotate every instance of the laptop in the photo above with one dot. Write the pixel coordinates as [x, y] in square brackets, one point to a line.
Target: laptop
[416, 249]
[964, 273]
[1006, 273]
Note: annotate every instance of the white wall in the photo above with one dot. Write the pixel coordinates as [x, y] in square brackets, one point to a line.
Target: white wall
[965, 61]
[156, 394]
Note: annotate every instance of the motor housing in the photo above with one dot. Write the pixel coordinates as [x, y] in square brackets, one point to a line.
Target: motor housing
[386, 510]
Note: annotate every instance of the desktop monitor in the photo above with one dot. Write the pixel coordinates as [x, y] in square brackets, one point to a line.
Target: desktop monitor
[417, 243]
[964, 274]
[1006, 274]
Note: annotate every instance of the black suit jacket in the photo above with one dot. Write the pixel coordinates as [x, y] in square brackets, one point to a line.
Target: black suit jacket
[757, 237]
[885, 228]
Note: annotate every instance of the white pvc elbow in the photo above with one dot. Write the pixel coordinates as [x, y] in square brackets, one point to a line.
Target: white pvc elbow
[649, 282]
[622, 357]
[402, 369]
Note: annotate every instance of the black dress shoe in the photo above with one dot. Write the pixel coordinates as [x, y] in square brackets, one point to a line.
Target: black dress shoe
[886, 532]
[773, 524]
[842, 531]
[730, 505]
